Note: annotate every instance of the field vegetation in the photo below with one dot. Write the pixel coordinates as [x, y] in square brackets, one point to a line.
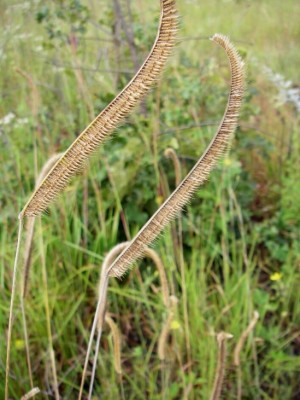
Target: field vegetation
[234, 250]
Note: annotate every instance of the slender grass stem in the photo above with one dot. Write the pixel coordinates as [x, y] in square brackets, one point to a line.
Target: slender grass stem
[100, 308]
[47, 310]
[12, 299]
[26, 341]
[95, 363]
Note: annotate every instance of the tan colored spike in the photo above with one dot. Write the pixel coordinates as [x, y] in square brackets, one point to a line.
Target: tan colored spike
[103, 125]
[198, 175]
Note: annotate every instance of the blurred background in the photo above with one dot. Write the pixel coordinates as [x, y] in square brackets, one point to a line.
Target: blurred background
[235, 248]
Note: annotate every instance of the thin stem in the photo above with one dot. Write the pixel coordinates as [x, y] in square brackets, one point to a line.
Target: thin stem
[12, 299]
[47, 309]
[102, 297]
[95, 363]
[26, 340]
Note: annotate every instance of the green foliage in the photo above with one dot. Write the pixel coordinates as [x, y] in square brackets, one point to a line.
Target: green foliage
[63, 17]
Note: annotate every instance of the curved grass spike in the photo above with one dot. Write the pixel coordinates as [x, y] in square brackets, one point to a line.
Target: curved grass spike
[181, 195]
[171, 154]
[222, 337]
[103, 125]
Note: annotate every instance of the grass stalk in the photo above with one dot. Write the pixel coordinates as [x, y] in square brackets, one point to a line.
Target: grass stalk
[22, 303]
[171, 153]
[47, 310]
[12, 299]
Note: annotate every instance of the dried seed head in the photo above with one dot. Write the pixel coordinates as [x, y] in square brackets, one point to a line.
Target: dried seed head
[112, 116]
[199, 174]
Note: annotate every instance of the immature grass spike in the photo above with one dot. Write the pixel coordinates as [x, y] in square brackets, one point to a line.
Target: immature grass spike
[103, 125]
[182, 194]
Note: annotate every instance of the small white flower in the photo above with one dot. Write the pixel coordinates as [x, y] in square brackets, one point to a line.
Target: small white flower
[7, 119]
[22, 121]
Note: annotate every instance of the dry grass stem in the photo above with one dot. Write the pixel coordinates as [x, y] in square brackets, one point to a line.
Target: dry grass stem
[89, 140]
[178, 250]
[99, 314]
[12, 299]
[26, 339]
[102, 296]
[198, 175]
[222, 337]
[31, 394]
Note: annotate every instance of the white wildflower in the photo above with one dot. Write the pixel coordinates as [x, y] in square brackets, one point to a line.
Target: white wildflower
[286, 92]
[7, 119]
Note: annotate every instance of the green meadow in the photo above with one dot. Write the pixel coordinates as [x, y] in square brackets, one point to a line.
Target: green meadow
[233, 251]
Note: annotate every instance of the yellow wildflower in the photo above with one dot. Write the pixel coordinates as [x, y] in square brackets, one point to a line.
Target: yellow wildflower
[276, 276]
[20, 344]
[227, 162]
[175, 325]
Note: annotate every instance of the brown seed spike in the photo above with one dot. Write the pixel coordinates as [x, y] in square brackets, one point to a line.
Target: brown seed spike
[112, 116]
[198, 175]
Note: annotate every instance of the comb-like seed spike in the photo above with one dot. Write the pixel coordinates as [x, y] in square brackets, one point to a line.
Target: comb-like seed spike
[112, 116]
[198, 175]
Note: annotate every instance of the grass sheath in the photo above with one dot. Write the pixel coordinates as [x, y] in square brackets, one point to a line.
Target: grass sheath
[102, 126]
[198, 175]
